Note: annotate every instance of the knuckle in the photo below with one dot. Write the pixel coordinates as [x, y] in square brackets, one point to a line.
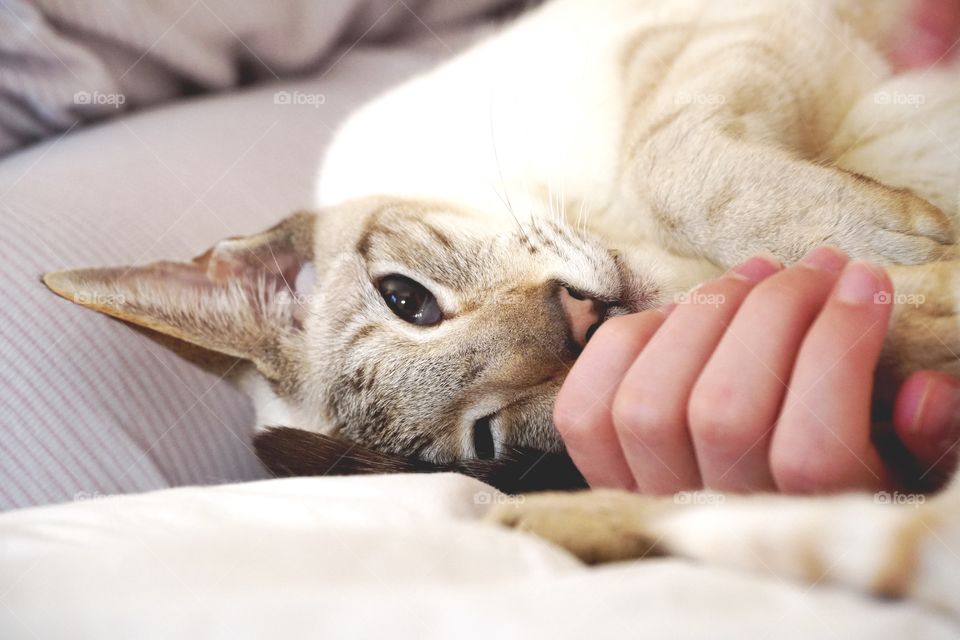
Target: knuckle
[645, 415]
[715, 416]
[788, 296]
[573, 422]
[797, 471]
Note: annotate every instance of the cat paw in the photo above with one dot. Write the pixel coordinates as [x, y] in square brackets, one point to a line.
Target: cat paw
[595, 526]
[925, 331]
[905, 229]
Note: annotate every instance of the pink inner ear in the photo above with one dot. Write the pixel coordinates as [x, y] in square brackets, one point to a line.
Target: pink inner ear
[248, 263]
[261, 261]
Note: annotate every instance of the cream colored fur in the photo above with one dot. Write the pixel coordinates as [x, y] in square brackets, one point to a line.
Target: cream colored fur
[626, 150]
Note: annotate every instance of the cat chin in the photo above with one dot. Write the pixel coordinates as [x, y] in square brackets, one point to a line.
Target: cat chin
[295, 452]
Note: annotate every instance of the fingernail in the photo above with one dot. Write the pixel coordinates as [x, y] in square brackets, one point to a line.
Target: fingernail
[757, 268]
[825, 259]
[938, 416]
[859, 284]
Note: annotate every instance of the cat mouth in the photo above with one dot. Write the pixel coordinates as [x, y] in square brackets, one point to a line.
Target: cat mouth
[637, 292]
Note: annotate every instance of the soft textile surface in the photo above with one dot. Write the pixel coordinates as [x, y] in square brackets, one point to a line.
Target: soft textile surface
[65, 61]
[382, 556]
[86, 404]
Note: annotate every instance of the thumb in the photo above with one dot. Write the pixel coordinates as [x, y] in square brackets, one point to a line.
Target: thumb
[929, 34]
[926, 418]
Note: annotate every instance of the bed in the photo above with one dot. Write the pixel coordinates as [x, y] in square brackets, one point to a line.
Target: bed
[134, 505]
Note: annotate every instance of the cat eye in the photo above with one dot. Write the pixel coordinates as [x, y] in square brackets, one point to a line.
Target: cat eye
[483, 445]
[576, 295]
[409, 300]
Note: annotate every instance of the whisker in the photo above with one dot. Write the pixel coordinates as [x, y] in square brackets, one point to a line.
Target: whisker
[505, 197]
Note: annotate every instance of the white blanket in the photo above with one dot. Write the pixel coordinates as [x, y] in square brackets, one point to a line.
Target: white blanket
[378, 556]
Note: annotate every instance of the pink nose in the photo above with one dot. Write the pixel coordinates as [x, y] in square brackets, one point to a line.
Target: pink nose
[583, 315]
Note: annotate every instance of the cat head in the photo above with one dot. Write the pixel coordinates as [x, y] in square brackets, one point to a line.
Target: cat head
[409, 326]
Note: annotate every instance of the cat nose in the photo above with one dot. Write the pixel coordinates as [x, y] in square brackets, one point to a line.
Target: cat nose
[583, 314]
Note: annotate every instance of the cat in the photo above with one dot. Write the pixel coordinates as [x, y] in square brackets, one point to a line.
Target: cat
[589, 160]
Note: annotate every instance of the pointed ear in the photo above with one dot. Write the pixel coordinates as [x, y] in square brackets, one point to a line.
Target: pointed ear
[241, 298]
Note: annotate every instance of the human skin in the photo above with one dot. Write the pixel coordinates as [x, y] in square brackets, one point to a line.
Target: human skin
[931, 36]
[771, 389]
[760, 380]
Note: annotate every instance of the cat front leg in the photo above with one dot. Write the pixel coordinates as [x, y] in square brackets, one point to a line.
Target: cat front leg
[894, 545]
[726, 148]
[925, 326]
[725, 199]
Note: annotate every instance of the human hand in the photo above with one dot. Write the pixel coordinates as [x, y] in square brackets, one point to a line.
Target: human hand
[760, 380]
[931, 34]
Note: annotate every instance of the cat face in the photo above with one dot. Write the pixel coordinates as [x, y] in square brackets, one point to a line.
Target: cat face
[413, 327]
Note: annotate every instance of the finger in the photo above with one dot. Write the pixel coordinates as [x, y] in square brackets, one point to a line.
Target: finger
[582, 413]
[926, 418]
[822, 441]
[650, 407]
[932, 30]
[736, 400]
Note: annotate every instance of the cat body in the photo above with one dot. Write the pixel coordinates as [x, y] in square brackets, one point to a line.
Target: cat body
[588, 160]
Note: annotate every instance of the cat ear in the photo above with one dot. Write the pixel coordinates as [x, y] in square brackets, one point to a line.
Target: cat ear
[242, 297]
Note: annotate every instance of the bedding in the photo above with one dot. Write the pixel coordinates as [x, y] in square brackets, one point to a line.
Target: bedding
[70, 62]
[399, 556]
[91, 409]
[87, 404]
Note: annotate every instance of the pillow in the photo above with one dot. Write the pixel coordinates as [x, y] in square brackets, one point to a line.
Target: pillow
[88, 406]
[69, 62]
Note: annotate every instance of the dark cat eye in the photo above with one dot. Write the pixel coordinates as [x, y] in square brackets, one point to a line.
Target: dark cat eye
[483, 445]
[410, 300]
[576, 295]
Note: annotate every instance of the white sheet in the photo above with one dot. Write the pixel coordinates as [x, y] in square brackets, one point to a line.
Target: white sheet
[376, 556]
